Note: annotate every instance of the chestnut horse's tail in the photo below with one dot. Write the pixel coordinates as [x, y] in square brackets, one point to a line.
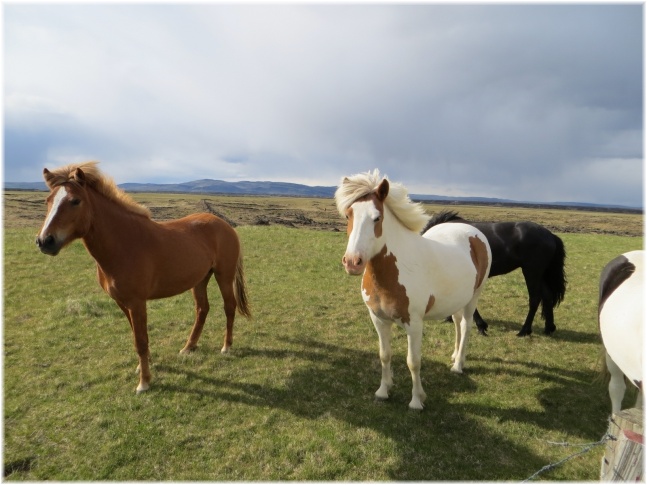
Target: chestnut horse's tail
[240, 289]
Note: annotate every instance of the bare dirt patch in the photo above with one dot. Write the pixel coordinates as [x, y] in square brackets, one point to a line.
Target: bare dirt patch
[27, 209]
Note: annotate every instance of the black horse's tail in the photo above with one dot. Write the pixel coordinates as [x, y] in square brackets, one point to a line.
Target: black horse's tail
[554, 279]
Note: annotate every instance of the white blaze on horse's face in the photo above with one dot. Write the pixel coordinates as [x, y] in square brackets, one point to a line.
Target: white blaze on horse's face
[66, 219]
[365, 217]
[55, 204]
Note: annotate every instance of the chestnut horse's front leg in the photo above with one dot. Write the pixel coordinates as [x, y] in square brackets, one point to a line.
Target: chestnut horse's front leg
[136, 313]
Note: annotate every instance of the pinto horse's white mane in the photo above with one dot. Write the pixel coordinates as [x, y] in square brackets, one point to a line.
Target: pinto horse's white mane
[98, 181]
[411, 214]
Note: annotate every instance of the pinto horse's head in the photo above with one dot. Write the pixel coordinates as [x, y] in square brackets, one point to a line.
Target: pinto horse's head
[364, 228]
[68, 212]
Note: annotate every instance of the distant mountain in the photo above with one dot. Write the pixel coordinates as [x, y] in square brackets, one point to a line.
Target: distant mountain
[25, 186]
[209, 186]
[221, 187]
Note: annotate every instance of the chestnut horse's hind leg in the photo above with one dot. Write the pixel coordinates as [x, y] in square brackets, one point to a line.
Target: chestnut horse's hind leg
[225, 281]
[201, 311]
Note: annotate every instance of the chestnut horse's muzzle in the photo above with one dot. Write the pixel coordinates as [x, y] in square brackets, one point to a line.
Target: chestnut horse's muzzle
[48, 245]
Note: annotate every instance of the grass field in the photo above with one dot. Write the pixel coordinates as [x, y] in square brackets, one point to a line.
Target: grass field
[294, 398]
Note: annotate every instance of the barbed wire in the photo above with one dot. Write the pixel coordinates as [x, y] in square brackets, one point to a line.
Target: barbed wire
[587, 447]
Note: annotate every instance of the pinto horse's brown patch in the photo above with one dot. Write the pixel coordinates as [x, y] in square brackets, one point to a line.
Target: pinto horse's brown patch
[384, 294]
[478, 251]
[430, 303]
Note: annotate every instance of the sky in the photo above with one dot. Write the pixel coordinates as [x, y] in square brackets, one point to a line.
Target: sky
[536, 102]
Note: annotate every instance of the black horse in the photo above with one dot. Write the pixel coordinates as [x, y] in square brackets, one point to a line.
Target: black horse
[526, 245]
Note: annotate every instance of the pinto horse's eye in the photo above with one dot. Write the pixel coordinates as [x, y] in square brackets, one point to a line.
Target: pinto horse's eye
[377, 219]
[75, 201]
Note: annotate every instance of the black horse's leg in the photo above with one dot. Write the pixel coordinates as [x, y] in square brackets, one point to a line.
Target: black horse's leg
[480, 323]
[533, 284]
[547, 311]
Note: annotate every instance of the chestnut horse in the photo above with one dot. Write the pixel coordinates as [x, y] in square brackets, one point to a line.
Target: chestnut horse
[139, 259]
[408, 277]
[620, 313]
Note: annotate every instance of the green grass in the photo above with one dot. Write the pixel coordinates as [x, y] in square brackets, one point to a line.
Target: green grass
[294, 398]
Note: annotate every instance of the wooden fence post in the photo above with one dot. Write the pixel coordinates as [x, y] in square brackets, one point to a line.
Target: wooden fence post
[623, 457]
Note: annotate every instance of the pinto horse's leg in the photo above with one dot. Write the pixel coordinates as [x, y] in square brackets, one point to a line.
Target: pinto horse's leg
[617, 384]
[414, 336]
[138, 318]
[462, 325]
[384, 332]
[456, 318]
[201, 311]
[225, 279]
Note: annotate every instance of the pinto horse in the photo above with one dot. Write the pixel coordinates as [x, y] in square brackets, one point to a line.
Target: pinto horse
[620, 314]
[407, 277]
[538, 252]
[139, 259]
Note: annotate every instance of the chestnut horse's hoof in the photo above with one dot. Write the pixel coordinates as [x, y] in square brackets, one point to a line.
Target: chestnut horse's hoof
[142, 388]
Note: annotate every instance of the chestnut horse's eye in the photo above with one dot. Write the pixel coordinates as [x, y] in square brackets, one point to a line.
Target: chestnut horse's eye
[75, 201]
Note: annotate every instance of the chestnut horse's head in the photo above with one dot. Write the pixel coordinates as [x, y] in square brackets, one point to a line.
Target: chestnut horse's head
[68, 211]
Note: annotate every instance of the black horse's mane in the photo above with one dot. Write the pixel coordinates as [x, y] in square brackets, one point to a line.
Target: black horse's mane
[440, 218]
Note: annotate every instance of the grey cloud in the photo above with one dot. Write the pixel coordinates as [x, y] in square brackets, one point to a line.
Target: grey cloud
[444, 97]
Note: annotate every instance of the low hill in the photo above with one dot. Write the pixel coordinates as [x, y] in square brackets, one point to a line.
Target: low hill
[210, 186]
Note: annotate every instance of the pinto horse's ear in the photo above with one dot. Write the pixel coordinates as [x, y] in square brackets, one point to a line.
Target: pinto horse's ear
[383, 190]
[79, 176]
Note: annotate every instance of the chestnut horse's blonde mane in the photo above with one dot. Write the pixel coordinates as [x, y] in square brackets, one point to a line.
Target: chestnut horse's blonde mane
[411, 214]
[98, 181]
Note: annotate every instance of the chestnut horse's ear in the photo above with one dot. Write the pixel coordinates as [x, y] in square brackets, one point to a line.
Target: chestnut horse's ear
[383, 190]
[79, 176]
[49, 177]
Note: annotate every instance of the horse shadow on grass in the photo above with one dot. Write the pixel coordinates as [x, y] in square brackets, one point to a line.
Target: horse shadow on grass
[334, 381]
[562, 333]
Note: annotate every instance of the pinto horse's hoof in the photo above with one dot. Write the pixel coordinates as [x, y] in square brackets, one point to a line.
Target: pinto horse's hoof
[483, 331]
[416, 405]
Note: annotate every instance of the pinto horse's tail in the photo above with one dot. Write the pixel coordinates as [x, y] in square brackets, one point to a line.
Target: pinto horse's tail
[240, 290]
[554, 279]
